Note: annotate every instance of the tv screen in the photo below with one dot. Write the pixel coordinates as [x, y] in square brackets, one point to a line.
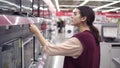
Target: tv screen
[10, 54]
[110, 32]
[38, 49]
[27, 51]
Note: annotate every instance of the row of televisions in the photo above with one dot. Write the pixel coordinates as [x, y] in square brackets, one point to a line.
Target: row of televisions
[19, 52]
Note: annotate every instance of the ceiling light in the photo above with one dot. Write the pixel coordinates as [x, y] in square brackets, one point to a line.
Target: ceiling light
[57, 5]
[68, 5]
[115, 9]
[83, 3]
[114, 2]
[50, 5]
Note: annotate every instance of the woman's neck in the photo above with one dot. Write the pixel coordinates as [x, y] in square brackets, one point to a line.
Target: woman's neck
[83, 28]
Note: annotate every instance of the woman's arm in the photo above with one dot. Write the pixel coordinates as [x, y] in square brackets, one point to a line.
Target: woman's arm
[34, 29]
[71, 47]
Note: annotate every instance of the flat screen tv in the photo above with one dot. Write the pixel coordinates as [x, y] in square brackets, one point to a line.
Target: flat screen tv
[27, 52]
[10, 54]
[38, 49]
[110, 33]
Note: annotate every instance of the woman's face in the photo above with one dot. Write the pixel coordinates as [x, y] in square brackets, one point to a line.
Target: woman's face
[76, 18]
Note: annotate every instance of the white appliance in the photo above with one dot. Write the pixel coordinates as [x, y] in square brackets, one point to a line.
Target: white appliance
[69, 31]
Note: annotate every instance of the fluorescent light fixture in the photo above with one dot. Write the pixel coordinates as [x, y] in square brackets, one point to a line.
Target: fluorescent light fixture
[115, 9]
[57, 5]
[26, 7]
[114, 2]
[41, 8]
[50, 5]
[83, 3]
[103, 0]
[68, 5]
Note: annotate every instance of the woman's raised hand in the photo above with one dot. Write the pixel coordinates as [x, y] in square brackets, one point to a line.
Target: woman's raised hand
[34, 29]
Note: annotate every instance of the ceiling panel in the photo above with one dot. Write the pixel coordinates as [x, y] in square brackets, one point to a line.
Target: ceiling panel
[96, 3]
[71, 4]
[63, 4]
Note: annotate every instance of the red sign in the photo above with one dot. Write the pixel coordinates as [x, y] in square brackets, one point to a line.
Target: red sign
[110, 14]
[43, 13]
[64, 13]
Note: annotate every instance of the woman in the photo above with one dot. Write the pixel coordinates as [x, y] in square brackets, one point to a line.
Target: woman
[82, 50]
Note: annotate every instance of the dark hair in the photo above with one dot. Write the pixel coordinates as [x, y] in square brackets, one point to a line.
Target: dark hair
[89, 13]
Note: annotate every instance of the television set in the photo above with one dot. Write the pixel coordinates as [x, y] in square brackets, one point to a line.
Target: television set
[10, 54]
[27, 52]
[110, 33]
[38, 49]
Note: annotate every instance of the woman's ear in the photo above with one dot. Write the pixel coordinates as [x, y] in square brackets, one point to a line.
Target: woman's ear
[84, 18]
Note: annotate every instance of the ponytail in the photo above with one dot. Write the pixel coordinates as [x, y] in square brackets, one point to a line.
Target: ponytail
[95, 33]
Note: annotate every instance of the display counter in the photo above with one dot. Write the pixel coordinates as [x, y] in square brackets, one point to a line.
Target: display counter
[110, 55]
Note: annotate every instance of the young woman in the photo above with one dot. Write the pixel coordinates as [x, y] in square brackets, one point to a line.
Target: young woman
[82, 50]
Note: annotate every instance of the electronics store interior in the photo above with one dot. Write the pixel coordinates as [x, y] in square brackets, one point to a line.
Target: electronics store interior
[20, 48]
